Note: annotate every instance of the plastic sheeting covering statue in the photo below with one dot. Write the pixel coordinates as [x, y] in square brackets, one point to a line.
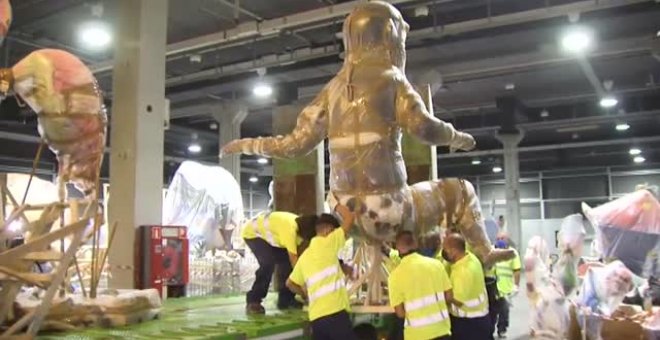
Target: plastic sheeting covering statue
[362, 111]
[548, 291]
[628, 229]
[72, 118]
[207, 200]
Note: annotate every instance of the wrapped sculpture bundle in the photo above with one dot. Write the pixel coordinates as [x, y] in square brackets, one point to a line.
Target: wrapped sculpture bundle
[363, 111]
[628, 229]
[206, 199]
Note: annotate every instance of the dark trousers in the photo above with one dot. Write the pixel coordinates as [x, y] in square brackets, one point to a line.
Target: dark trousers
[502, 315]
[471, 329]
[269, 257]
[334, 326]
[396, 328]
[491, 291]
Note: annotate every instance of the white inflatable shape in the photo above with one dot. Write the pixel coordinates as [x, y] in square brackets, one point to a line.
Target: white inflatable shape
[205, 199]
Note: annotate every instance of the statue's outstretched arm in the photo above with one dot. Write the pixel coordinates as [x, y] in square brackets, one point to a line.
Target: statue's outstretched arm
[311, 128]
[413, 116]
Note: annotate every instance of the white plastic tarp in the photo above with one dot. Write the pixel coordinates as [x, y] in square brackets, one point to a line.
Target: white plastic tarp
[205, 199]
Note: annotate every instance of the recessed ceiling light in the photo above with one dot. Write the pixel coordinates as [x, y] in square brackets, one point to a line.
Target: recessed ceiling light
[213, 126]
[635, 151]
[608, 101]
[95, 35]
[622, 127]
[639, 159]
[576, 41]
[262, 90]
[262, 161]
[497, 169]
[254, 179]
[545, 113]
[194, 148]
[476, 161]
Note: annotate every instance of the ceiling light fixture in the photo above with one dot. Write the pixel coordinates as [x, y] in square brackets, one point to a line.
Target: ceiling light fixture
[194, 148]
[262, 161]
[95, 35]
[576, 41]
[254, 179]
[608, 102]
[476, 161]
[262, 90]
[497, 169]
[622, 127]
[635, 151]
[639, 159]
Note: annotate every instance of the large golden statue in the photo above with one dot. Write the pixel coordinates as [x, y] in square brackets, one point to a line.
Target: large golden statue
[362, 112]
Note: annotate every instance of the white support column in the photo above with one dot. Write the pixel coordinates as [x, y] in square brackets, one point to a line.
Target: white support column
[510, 143]
[136, 161]
[230, 117]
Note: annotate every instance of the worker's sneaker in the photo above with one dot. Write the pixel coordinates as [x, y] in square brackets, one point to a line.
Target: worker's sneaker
[255, 308]
[501, 335]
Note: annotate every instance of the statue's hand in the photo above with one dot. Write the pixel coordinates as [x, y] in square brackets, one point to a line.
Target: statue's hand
[235, 146]
[463, 141]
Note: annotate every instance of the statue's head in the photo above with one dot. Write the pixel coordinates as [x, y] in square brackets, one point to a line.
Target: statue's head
[376, 27]
[5, 19]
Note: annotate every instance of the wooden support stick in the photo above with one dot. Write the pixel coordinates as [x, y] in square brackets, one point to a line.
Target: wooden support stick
[80, 277]
[105, 255]
[35, 162]
[19, 324]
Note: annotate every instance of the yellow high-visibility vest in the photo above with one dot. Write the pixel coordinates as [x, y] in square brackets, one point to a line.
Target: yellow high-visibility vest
[318, 270]
[467, 278]
[504, 271]
[278, 228]
[419, 283]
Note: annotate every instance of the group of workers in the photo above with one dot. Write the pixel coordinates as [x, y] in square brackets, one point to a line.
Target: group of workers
[437, 292]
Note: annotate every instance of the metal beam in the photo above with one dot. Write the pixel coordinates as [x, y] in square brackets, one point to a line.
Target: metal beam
[237, 6]
[538, 148]
[249, 30]
[25, 138]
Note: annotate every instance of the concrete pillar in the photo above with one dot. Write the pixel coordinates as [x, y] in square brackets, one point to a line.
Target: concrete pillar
[299, 183]
[230, 117]
[510, 143]
[136, 160]
[421, 160]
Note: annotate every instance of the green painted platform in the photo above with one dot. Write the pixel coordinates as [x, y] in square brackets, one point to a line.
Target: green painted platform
[211, 317]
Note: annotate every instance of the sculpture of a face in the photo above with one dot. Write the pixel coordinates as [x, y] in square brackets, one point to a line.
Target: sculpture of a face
[375, 28]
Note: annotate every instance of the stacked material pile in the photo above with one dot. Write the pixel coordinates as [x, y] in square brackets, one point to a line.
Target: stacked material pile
[224, 273]
[109, 309]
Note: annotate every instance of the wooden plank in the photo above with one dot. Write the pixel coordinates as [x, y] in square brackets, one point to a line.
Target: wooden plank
[359, 309]
[48, 255]
[36, 279]
[41, 242]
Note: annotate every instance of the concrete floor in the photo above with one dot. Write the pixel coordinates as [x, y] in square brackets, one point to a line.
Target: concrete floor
[519, 318]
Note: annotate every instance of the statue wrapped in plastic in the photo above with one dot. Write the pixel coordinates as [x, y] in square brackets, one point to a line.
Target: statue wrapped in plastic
[69, 105]
[363, 111]
[207, 200]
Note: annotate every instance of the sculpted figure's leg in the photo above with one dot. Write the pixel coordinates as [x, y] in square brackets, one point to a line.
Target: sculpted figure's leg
[471, 223]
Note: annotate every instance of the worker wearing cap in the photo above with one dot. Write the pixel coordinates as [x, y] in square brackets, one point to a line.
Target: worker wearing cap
[318, 277]
[274, 239]
[419, 291]
[508, 279]
[469, 318]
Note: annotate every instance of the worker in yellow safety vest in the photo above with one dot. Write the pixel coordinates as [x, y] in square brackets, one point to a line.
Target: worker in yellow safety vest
[274, 238]
[470, 318]
[508, 280]
[318, 277]
[420, 291]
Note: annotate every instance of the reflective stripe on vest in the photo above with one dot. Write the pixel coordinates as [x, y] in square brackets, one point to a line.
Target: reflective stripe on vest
[471, 304]
[423, 302]
[268, 237]
[332, 270]
[470, 315]
[326, 289]
[427, 320]
[475, 302]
